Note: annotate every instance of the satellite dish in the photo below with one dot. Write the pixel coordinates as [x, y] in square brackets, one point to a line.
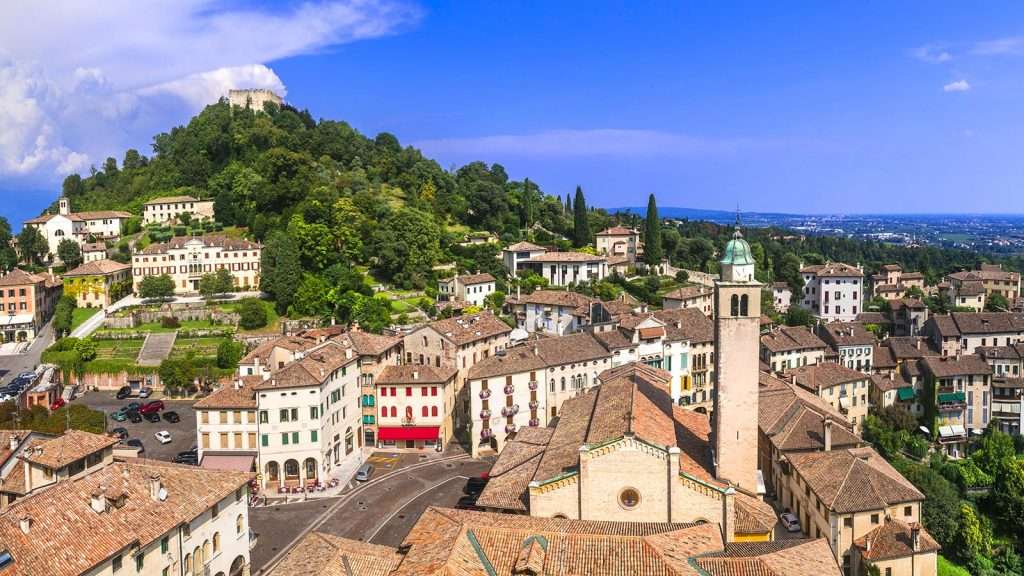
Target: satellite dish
[162, 494]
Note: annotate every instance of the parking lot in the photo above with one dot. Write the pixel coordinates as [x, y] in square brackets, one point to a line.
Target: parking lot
[183, 433]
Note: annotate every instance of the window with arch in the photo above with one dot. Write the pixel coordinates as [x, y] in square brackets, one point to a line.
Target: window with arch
[734, 305]
[394, 412]
[188, 563]
[216, 542]
[552, 386]
[207, 550]
[563, 383]
[239, 524]
[744, 301]
[433, 410]
[383, 411]
[424, 411]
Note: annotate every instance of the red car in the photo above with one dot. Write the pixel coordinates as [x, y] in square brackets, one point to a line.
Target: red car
[57, 404]
[151, 407]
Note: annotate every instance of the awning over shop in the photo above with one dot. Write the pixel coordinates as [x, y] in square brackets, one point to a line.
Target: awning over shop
[845, 402]
[236, 462]
[905, 394]
[952, 397]
[407, 433]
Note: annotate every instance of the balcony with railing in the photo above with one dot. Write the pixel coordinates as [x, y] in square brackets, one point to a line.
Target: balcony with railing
[535, 422]
[485, 414]
[485, 393]
[510, 389]
[951, 401]
[486, 433]
[510, 410]
[510, 429]
[534, 404]
[533, 385]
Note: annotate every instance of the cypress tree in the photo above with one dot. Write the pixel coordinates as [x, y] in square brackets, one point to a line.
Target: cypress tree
[568, 203]
[581, 227]
[527, 203]
[652, 236]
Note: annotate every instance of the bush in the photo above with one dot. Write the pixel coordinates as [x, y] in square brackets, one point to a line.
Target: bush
[86, 349]
[180, 230]
[169, 322]
[228, 354]
[252, 314]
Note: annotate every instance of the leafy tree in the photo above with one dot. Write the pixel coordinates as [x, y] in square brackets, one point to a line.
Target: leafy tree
[974, 539]
[280, 269]
[72, 186]
[228, 353]
[63, 313]
[682, 276]
[8, 257]
[896, 417]
[652, 235]
[797, 316]
[495, 300]
[581, 227]
[1008, 492]
[157, 287]
[407, 244]
[941, 507]
[178, 375]
[996, 302]
[373, 314]
[86, 349]
[32, 245]
[312, 298]
[252, 314]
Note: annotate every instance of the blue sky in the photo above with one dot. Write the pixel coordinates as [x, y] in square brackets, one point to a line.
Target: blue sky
[851, 107]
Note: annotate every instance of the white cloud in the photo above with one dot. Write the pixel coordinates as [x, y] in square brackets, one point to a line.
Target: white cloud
[1008, 45]
[957, 86]
[582, 143]
[932, 53]
[80, 81]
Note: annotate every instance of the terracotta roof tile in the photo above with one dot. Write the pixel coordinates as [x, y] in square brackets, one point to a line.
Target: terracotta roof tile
[98, 267]
[893, 540]
[416, 374]
[321, 554]
[853, 479]
[470, 328]
[66, 448]
[792, 338]
[232, 396]
[825, 375]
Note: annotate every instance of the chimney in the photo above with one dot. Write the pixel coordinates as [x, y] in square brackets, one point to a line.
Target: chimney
[98, 501]
[155, 486]
[827, 424]
[14, 442]
[915, 536]
[25, 523]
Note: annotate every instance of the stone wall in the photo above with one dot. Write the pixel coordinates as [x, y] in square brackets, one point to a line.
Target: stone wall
[184, 313]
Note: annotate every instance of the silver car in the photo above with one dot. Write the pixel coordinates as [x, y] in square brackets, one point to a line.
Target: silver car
[364, 473]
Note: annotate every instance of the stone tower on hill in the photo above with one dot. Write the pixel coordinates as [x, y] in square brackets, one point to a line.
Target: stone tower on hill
[253, 98]
[737, 336]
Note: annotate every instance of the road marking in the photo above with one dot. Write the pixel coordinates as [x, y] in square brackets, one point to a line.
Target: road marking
[344, 498]
[410, 501]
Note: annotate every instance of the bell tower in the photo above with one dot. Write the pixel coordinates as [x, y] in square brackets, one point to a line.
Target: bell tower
[737, 339]
[63, 206]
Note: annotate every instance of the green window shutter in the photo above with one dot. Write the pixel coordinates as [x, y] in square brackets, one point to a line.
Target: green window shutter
[284, 438]
[295, 437]
[265, 440]
[312, 435]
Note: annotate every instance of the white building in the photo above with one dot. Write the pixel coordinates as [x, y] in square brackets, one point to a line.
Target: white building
[791, 347]
[833, 291]
[554, 312]
[168, 208]
[186, 259]
[416, 405]
[567, 268]
[515, 255]
[473, 289]
[309, 417]
[92, 251]
[619, 242]
[78, 226]
[853, 344]
[697, 296]
[781, 296]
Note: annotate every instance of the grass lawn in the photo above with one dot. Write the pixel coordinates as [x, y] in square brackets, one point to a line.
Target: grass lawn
[947, 568]
[118, 349]
[200, 346]
[80, 315]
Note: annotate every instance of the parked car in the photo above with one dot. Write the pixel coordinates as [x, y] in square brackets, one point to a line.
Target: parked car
[467, 503]
[188, 457]
[133, 406]
[27, 376]
[119, 415]
[57, 404]
[194, 453]
[163, 436]
[134, 417]
[121, 433]
[146, 392]
[474, 486]
[364, 473]
[790, 521]
[172, 417]
[137, 444]
[153, 417]
[152, 407]
[123, 392]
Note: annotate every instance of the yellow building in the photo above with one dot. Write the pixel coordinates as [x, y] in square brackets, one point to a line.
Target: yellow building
[99, 283]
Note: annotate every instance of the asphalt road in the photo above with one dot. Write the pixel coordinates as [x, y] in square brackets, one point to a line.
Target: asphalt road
[381, 511]
[183, 434]
[11, 366]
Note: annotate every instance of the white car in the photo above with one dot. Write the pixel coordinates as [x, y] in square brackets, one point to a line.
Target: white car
[163, 436]
[790, 521]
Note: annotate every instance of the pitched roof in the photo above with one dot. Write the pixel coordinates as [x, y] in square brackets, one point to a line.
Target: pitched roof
[98, 268]
[232, 396]
[791, 338]
[777, 558]
[883, 357]
[525, 247]
[833, 269]
[18, 277]
[687, 324]
[312, 369]
[893, 539]
[209, 240]
[687, 292]
[793, 419]
[67, 537]
[948, 366]
[907, 347]
[959, 323]
[470, 279]
[847, 334]
[367, 343]
[825, 375]
[886, 384]
[94, 247]
[853, 479]
[415, 374]
[568, 257]
[470, 327]
[540, 354]
[510, 477]
[322, 554]
[171, 200]
[617, 231]
[62, 450]
[986, 273]
[80, 216]
[580, 302]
